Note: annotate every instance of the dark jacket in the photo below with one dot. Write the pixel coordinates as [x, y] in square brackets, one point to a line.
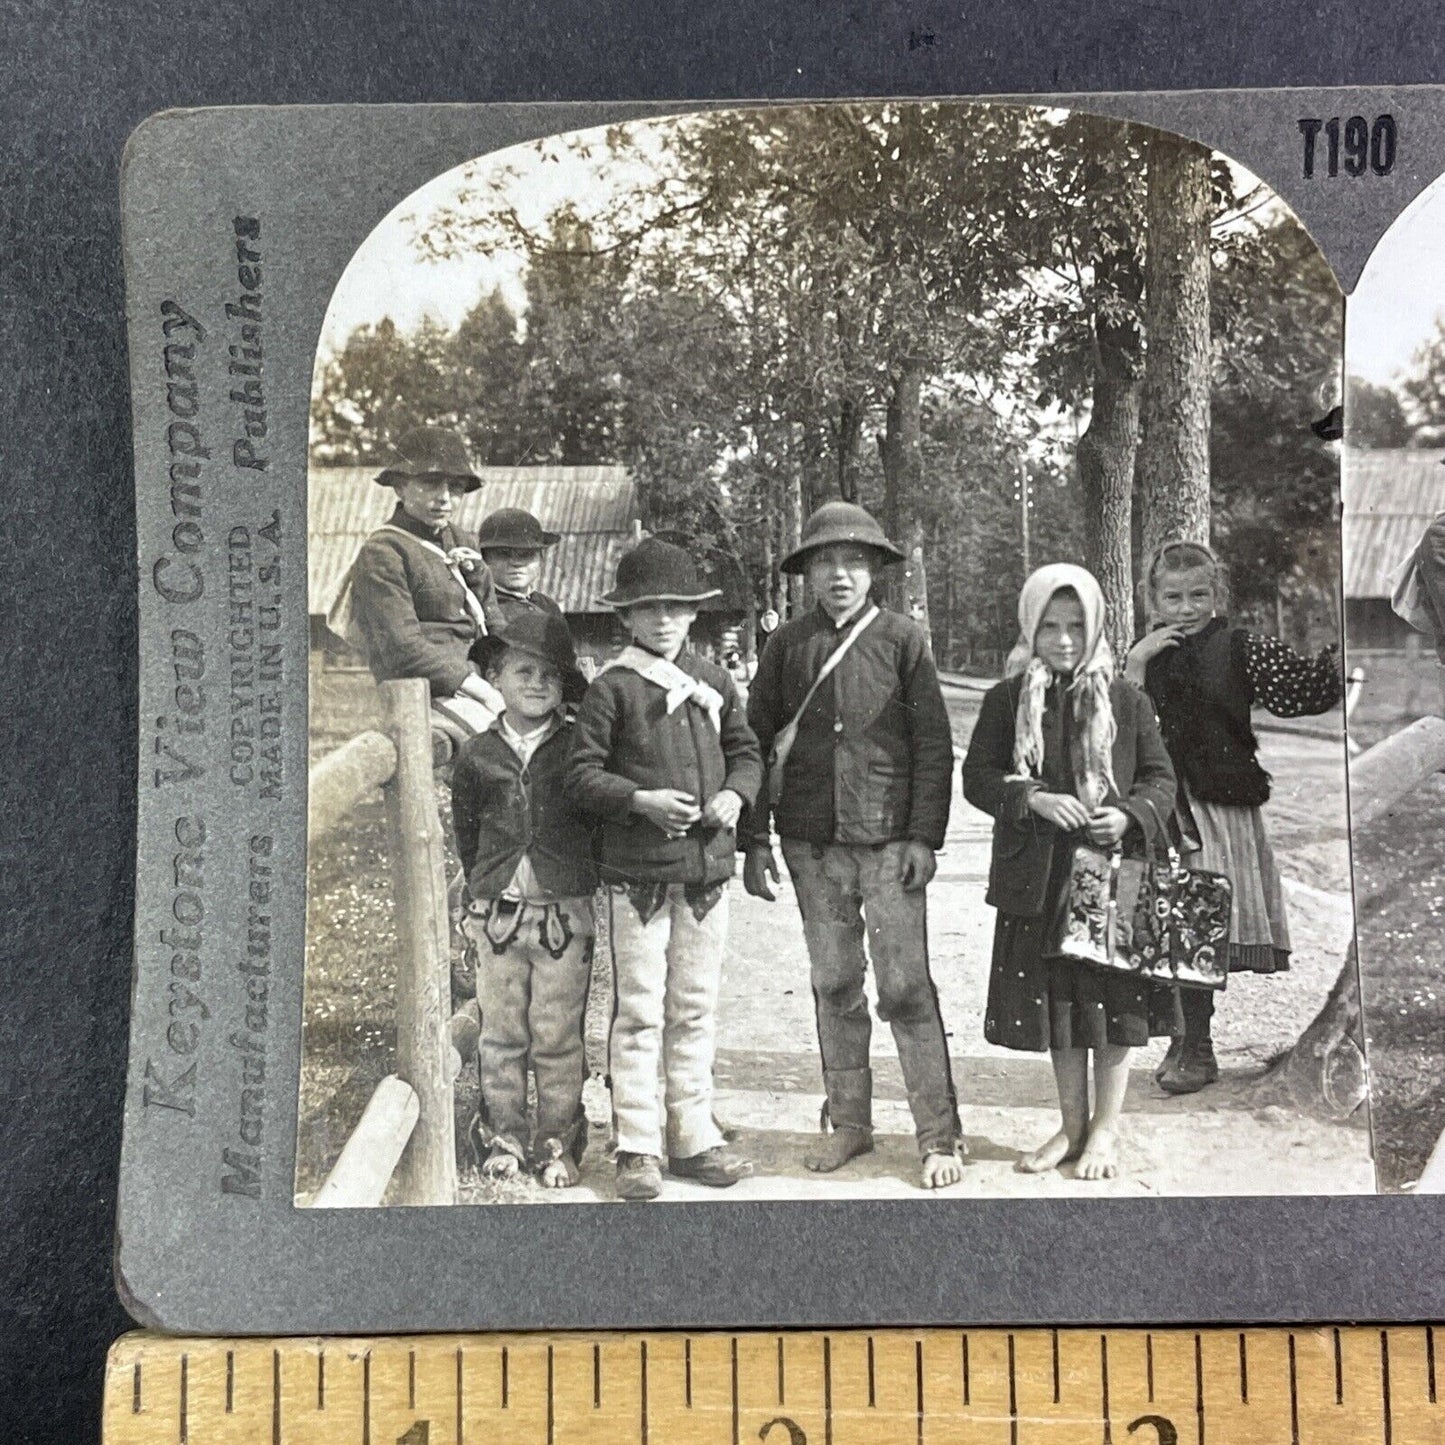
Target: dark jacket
[512, 604]
[873, 758]
[1023, 842]
[501, 810]
[624, 741]
[410, 610]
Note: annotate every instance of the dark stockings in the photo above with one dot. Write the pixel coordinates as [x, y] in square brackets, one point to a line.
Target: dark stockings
[1198, 1006]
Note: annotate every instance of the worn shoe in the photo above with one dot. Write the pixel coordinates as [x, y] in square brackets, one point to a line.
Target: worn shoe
[718, 1167]
[639, 1176]
[1170, 1061]
[1197, 1069]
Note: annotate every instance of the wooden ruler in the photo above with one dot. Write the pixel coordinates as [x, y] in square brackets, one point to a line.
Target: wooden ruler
[844, 1387]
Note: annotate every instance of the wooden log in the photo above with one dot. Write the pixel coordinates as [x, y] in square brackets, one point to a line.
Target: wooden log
[1384, 774]
[341, 777]
[359, 1177]
[427, 1173]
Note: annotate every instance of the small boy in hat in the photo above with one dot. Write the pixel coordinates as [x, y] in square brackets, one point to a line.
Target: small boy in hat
[663, 757]
[419, 596]
[848, 712]
[512, 543]
[530, 878]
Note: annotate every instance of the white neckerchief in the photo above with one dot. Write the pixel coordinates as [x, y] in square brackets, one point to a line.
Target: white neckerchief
[679, 686]
[454, 559]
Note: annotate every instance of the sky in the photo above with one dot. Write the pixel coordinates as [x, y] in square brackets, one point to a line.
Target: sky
[1401, 294]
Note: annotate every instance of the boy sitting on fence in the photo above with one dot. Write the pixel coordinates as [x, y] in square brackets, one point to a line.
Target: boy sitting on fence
[664, 758]
[530, 879]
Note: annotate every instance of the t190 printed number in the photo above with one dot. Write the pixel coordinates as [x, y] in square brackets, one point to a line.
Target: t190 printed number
[1351, 145]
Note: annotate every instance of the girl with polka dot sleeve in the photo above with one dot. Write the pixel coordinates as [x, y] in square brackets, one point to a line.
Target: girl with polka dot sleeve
[1205, 677]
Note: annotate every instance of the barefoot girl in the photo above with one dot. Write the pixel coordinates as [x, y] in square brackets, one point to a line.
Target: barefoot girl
[1062, 753]
[1204, 676]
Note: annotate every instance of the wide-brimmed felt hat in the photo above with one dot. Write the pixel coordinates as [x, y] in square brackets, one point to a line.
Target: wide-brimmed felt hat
[657, 571]
[429, 451]
[512, 527]
[544, 635]
[836, 523]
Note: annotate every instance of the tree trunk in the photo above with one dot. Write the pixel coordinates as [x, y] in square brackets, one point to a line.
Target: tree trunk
[850, 431]
[901, 448]
[1107, 448]
[1174, 450]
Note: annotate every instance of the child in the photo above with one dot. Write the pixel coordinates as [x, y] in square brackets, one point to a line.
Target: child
[862, 805]
[1204, 676]
[1064, 752]
[530, 879]
[512, 544]
[663, 758]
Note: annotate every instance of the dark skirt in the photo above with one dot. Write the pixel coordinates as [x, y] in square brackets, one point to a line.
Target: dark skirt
[1039, 1001]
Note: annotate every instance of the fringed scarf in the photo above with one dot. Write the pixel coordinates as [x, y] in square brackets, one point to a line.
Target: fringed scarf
[1092, 759]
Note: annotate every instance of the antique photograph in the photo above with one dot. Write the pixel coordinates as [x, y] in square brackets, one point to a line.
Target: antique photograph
[826, 676]
[1394, 588]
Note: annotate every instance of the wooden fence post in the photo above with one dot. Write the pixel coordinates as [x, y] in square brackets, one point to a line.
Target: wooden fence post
[427, 1173]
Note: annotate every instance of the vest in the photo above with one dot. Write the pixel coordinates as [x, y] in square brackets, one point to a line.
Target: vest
[1203, 695]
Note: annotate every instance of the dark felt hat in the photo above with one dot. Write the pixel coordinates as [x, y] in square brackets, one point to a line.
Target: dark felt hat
[429, 451]
[837, 523]
[657, 571]
[544, 635]
[512, 527]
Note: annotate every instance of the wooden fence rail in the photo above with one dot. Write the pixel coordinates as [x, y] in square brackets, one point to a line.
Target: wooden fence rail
[407, 1129]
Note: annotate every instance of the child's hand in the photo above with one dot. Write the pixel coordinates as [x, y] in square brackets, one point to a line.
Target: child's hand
[666, 808]
[1147, 649]
[760, 872]
[916, 866]
[1063, 810]
[1107, 826]
[723, 810]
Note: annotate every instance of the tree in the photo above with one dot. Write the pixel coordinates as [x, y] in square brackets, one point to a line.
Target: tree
[1174, 453]
[1424, 386]
[1375, 416]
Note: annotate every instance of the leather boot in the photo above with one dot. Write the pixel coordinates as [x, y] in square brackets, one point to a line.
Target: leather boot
[1197, 1068]
[849, 1109]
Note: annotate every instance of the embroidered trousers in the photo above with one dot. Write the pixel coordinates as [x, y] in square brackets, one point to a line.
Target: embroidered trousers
[846, 893]
[534, 963]
[667, 962]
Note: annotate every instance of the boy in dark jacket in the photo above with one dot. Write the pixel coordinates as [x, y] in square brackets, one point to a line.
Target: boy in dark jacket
[861, 807]
[530, 878]
[663, 758]
[513, 545]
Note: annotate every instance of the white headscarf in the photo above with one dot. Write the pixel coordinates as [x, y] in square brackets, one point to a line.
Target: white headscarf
[1092, 762]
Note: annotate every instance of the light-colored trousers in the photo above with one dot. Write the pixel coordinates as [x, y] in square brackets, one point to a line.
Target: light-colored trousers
[668, 971]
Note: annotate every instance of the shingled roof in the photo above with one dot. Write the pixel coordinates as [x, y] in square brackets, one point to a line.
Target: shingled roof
[594, 508]
[1390, 497]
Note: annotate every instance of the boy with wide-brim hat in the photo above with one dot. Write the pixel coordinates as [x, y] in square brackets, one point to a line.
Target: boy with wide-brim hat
[419, 594]
[860, 772]
[664, 760]
[513, 543]
[527, 855]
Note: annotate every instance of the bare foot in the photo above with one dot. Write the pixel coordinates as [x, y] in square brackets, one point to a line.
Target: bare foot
[941, 1170]
[501, 1165]
[558, 1174]
[1100, 1159]
[1059, 1150]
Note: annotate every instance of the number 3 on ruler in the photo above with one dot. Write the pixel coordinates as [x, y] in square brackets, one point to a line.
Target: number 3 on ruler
[1366, 144]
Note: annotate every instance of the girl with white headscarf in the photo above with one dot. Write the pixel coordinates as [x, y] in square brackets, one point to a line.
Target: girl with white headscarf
[1065, 752]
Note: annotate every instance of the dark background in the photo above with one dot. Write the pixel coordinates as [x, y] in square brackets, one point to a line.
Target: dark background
[74, 80]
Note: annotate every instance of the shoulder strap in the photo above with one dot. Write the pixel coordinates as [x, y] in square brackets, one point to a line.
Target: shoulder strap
[832, 660]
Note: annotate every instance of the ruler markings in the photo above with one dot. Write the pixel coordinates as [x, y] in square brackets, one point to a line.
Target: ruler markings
[460, 1421]
[1339, 1370]
[827, 1391]
[733, 1367]
[135, 1398]
[230, 1380]
[966, 1400]
[597, 1378]
[918, 1378]
[1429, 1360]
[1293, 1395]
[505, 1381]
[1385, 1383]
[411, 1379]
[1149, 1364]
[321, 1379]
[366, 1398]
[1104, 1389]
[551, 1400]
[1055, 1335]
[686, 1374]
[275, 1397]
[185, 1424]
[1013, 1399]
[782, 1379]
[642, 1357]
[1243, 1371]
[872, 1398]
[1199, 1388]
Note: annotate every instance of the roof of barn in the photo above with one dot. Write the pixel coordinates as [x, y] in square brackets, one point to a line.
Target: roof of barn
[1390, 497]
[594, 509]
